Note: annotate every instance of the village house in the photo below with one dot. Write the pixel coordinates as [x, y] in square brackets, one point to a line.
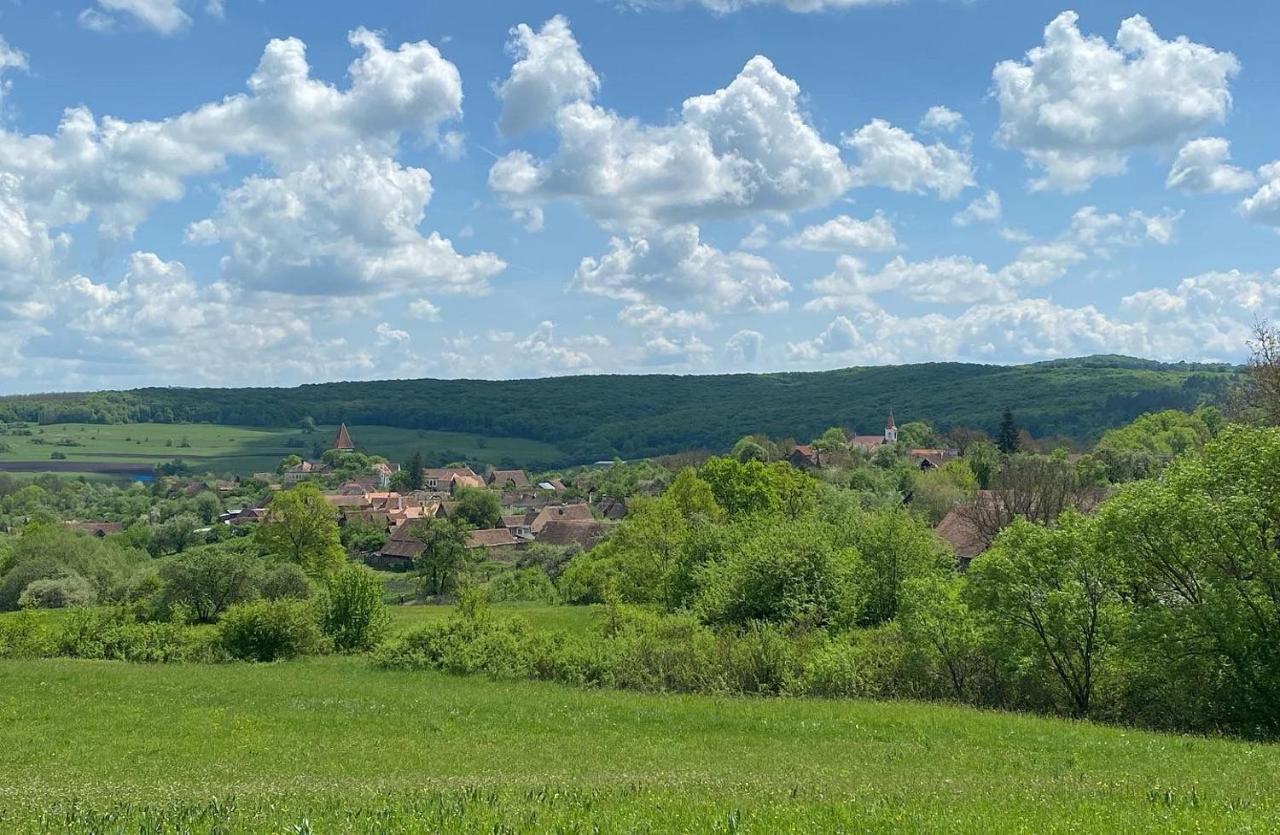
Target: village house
[96, 529]
[498, 543]
[518, 525]
[399, 551]
[805, 457]
[449, 479]
[507, 479]
[612, 508]
[303, 471]
[561, 513]
[565, 532]
[933, 459]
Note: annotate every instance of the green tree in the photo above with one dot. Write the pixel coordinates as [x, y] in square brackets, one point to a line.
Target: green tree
[355, 617]
[478, 507]
[942, 632]
[917, 435]
[301, 527]
[1051, 593]
[413, 471]
[831, 445]
[1200, 547]
[444, 553]
[749, 449]
[1007, 438]
[206, 581]
[895, 548]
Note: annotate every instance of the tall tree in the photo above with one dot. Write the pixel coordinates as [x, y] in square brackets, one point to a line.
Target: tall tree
[413, 470]
[444, 553]
[302, 527]
[1007, 436]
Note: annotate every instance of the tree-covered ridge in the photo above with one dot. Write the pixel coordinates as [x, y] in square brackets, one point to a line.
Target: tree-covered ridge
[592, 417]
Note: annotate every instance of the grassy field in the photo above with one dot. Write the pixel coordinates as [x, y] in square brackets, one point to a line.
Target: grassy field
[333, 744]
[242, 450]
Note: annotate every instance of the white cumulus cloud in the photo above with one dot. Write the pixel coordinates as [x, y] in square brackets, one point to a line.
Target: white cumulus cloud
[847, 234]
[891, 157]
[1078, 106]
[549, 72]
[1204, 165]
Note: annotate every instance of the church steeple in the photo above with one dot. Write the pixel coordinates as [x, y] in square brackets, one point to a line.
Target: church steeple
[342, 442]
[890, 430]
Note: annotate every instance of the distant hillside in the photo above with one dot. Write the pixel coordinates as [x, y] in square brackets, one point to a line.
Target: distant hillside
[595, 417]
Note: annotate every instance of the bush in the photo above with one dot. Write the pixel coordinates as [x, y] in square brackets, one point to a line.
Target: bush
[26, 635]
[287, 581]
[116, 635]
[15, 582]
[526, 585]
[58, 593]
[355, 617]
[270, 630]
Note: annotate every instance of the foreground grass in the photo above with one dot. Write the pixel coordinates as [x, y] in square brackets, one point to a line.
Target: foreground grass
[332, 744]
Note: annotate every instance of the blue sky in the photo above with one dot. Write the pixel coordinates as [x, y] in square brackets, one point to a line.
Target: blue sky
[275, 192]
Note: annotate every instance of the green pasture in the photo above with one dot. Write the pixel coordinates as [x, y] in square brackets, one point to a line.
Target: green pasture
[242, 450]
[336, 745]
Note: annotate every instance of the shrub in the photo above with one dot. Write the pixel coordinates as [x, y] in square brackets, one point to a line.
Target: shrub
[498, 648]
[115, 635]
[58, 593]
[355, 616]
[208, 580]
[270, 630]
[287, 581]
[527, 585]
[25, 635]
[20, 576]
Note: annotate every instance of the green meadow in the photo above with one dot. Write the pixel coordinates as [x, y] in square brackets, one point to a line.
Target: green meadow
[241, 450]
[336, 745]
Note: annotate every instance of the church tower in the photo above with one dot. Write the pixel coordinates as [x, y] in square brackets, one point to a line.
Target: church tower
[890, 430]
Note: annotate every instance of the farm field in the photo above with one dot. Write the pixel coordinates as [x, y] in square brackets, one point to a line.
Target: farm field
[240, 450]
[334, 744]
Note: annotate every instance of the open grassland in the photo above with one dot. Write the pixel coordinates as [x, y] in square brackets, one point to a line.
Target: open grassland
[333, 744]
[240, 450]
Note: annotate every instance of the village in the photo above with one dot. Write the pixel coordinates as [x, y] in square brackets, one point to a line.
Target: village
[543, 511]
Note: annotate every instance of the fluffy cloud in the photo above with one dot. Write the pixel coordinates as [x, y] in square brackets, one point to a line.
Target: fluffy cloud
[163, 16]
[545, 351]
[742, 150]
[847, 234]
[941, 119]
[951, 280]
[657, 317]
[1264, 206]
[891, 157]
[118, 170]
[961, 279]
[841, 336]
[727, 6]
[29, 255]
[1078, 106]
[661, 349]
[743, 348]
[986, 209]
[341, 225]
[153, 326]
[424, 309]
[1203, 165]
[674, 265]
[1206, 317]
[549, 72]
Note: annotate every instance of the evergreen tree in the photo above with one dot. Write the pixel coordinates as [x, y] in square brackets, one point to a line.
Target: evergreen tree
[413, 479]
[1007, 436]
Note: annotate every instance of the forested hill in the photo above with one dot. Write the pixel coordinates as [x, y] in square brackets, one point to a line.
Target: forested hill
[593, 417]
